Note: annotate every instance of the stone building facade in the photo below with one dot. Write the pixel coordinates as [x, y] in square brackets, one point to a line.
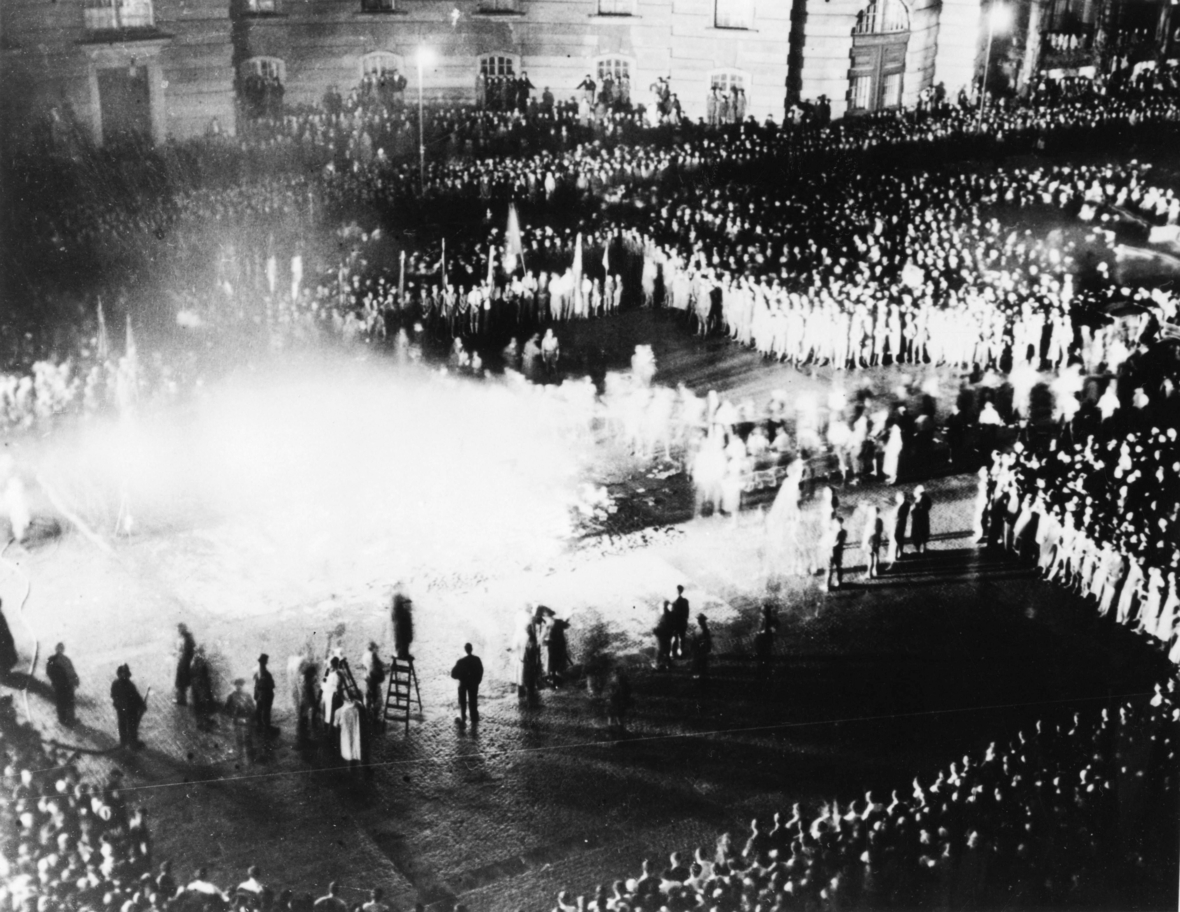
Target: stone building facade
[163, 68]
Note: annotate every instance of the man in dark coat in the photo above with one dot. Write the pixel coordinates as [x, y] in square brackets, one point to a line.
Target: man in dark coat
[680, 611]
[129, 707]
[60, 671]
[557, 659]
[185, 647]
[899, 518]
[664, 630]
[8, 654]
[264, 695]
[920, 520]
[403, 624]
[468, 671]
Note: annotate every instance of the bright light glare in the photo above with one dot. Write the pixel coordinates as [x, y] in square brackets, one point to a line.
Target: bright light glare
[1000, 16]
[425, 56]
[343, 474]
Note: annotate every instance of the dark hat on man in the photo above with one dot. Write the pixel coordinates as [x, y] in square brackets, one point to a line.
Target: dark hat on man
[263, 659]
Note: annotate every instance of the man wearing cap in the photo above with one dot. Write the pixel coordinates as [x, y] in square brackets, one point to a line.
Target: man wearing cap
[264, 695]
[468, 671]
[240, 708]
[129, 707]
[60, 671]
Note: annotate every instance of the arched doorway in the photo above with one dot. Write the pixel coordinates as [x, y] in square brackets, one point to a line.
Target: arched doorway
[879, 43]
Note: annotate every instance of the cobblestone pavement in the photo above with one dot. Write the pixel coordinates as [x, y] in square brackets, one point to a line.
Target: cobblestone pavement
[872, 685]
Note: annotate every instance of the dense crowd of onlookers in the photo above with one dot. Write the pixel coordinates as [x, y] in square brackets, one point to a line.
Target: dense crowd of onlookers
[1064, 815]
[1069, 813]
[69, 843]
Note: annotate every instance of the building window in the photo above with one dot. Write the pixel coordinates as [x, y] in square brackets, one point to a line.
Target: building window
[377, 6]
[861, 89]
[734, 14]
[727, 81]
[726, 101]
[882, 17]
[103, 15]
[614, 78]
[879, 41]
[616, 7]
[380, 63]
[260, 86]
[271, 68]
[262, 6]
[497, 65]
[497, 6]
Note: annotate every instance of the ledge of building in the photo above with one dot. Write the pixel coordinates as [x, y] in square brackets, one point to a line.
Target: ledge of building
[126, 36]
[497, 14]
[732, 31]
[261, 14]
[612, 18]
[381, 12]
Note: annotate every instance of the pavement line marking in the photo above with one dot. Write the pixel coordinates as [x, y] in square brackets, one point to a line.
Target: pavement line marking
[584, 744]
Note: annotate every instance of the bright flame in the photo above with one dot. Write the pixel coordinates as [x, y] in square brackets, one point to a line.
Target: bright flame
[355, 472]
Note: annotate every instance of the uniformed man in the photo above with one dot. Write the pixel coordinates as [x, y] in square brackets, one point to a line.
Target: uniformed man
[129, 707]
[60, 671]
[468, 671]
[241, 710]
[264, 695]
[680, 613]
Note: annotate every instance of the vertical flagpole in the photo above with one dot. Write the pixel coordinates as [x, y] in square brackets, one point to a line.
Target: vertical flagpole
[444, 264]
[401, 283]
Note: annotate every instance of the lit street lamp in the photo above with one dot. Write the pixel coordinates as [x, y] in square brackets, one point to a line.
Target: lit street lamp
[998, 18]
[425, 57]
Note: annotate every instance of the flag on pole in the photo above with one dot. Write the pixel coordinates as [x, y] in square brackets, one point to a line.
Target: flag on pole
[443, 265]
[577, 289]
[513, 246]
[296, 275]
[104, 343]
[491, 265]
[401, 281]
[606, 257]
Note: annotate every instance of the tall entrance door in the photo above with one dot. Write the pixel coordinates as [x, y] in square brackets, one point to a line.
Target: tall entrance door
[125, 100]
[879, 44]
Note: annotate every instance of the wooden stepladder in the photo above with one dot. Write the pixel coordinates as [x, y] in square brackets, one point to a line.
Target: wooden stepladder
[402, 692]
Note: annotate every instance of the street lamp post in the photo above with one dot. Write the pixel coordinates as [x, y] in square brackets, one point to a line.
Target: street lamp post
[997, 18]
[424, 58]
